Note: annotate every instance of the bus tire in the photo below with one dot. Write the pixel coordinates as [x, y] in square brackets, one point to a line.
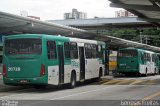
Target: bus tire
[155, 71]
[146, 73]
[99, 75]
[72, 83]
[40, 86]
[100, 72]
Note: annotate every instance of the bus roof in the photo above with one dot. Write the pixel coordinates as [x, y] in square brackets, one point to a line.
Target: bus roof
[131, 48]
[53, 36]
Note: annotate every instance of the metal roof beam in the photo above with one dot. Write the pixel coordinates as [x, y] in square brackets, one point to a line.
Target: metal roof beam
[5, 30]
[135, 7]
[149, 19]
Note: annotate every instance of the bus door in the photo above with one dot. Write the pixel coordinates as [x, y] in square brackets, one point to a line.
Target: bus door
[61, 64]
[82, 63]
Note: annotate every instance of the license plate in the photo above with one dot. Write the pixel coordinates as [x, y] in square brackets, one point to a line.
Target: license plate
[23, 81]
[127, 67]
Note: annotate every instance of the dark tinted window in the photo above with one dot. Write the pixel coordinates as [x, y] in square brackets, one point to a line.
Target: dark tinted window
[147, 56]
[67, 49]
[88, 51]
[100, 51]
[74, 50]
[127, 53]
[94, 51]
[51, 50]
[158, 56]
[23, 46]
[153, 58]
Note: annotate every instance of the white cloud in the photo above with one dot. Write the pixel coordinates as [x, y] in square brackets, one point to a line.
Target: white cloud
[54, 9]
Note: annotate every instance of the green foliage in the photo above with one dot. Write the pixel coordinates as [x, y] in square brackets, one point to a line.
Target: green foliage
[151, 32]
[129, 34]
[153, 35]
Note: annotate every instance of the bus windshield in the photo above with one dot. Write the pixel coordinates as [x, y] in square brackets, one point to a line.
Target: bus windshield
[127, 53]
[23, 46]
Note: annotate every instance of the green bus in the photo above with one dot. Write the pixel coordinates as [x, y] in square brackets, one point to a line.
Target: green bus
[158, 54]
[133, 60]
[39, 60]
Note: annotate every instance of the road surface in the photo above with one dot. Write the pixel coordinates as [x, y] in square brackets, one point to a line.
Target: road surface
[107, 92]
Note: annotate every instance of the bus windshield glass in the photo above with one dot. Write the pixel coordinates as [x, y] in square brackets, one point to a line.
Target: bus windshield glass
[127, 53]
[23, 46]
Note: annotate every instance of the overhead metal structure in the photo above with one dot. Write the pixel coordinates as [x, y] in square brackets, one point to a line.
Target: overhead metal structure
[148, 10]
[115, 43]
[105, 23]
[13, 24]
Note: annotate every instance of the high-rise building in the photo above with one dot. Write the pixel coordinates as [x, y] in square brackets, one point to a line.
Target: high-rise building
[124, 13]
[75, 14]
[25, 14]
[34, 17]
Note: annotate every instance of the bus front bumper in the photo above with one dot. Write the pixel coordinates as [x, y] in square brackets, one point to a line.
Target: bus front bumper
[25, 81]
[127, 70]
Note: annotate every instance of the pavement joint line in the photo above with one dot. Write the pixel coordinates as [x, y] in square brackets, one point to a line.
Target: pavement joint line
[111, 82]
[151, 96]
[105, 80]
[124, 82]
[149, 82]
[102, 81]
[1, 98]
[136, 82]
[76, 94]
[83, 92]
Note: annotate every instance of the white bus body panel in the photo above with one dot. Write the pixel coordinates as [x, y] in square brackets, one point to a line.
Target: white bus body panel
[67, 72]
[150, 66]
[53, 75]
[75, 65]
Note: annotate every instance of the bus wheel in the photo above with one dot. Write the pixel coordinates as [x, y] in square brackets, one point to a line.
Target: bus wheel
[73, 81]
[40, 86]
[100, 73]
[155, 72]
[146, 73]
[99, 76]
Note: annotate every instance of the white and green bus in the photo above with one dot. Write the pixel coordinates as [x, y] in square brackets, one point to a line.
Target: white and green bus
[133, 60]
[39, 60]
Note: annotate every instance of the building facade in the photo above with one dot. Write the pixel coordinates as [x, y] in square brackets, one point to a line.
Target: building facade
[75, 14]
[124, 13]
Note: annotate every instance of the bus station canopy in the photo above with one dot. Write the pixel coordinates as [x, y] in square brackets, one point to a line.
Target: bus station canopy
[13, 24]
[147, 10]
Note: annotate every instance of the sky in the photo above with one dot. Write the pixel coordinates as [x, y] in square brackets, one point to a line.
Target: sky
[54, 9]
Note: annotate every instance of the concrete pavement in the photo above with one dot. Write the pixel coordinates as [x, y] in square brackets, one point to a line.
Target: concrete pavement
[109, 91]
[103, 94]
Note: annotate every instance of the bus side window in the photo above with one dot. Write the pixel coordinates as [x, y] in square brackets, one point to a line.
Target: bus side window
[67, 50]
[149, 57]
[100, 52]
[142, 58]
[94, 51]
[88, 51]
[145, 56]
[74, 50]
[51, 50]
[153, 58]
